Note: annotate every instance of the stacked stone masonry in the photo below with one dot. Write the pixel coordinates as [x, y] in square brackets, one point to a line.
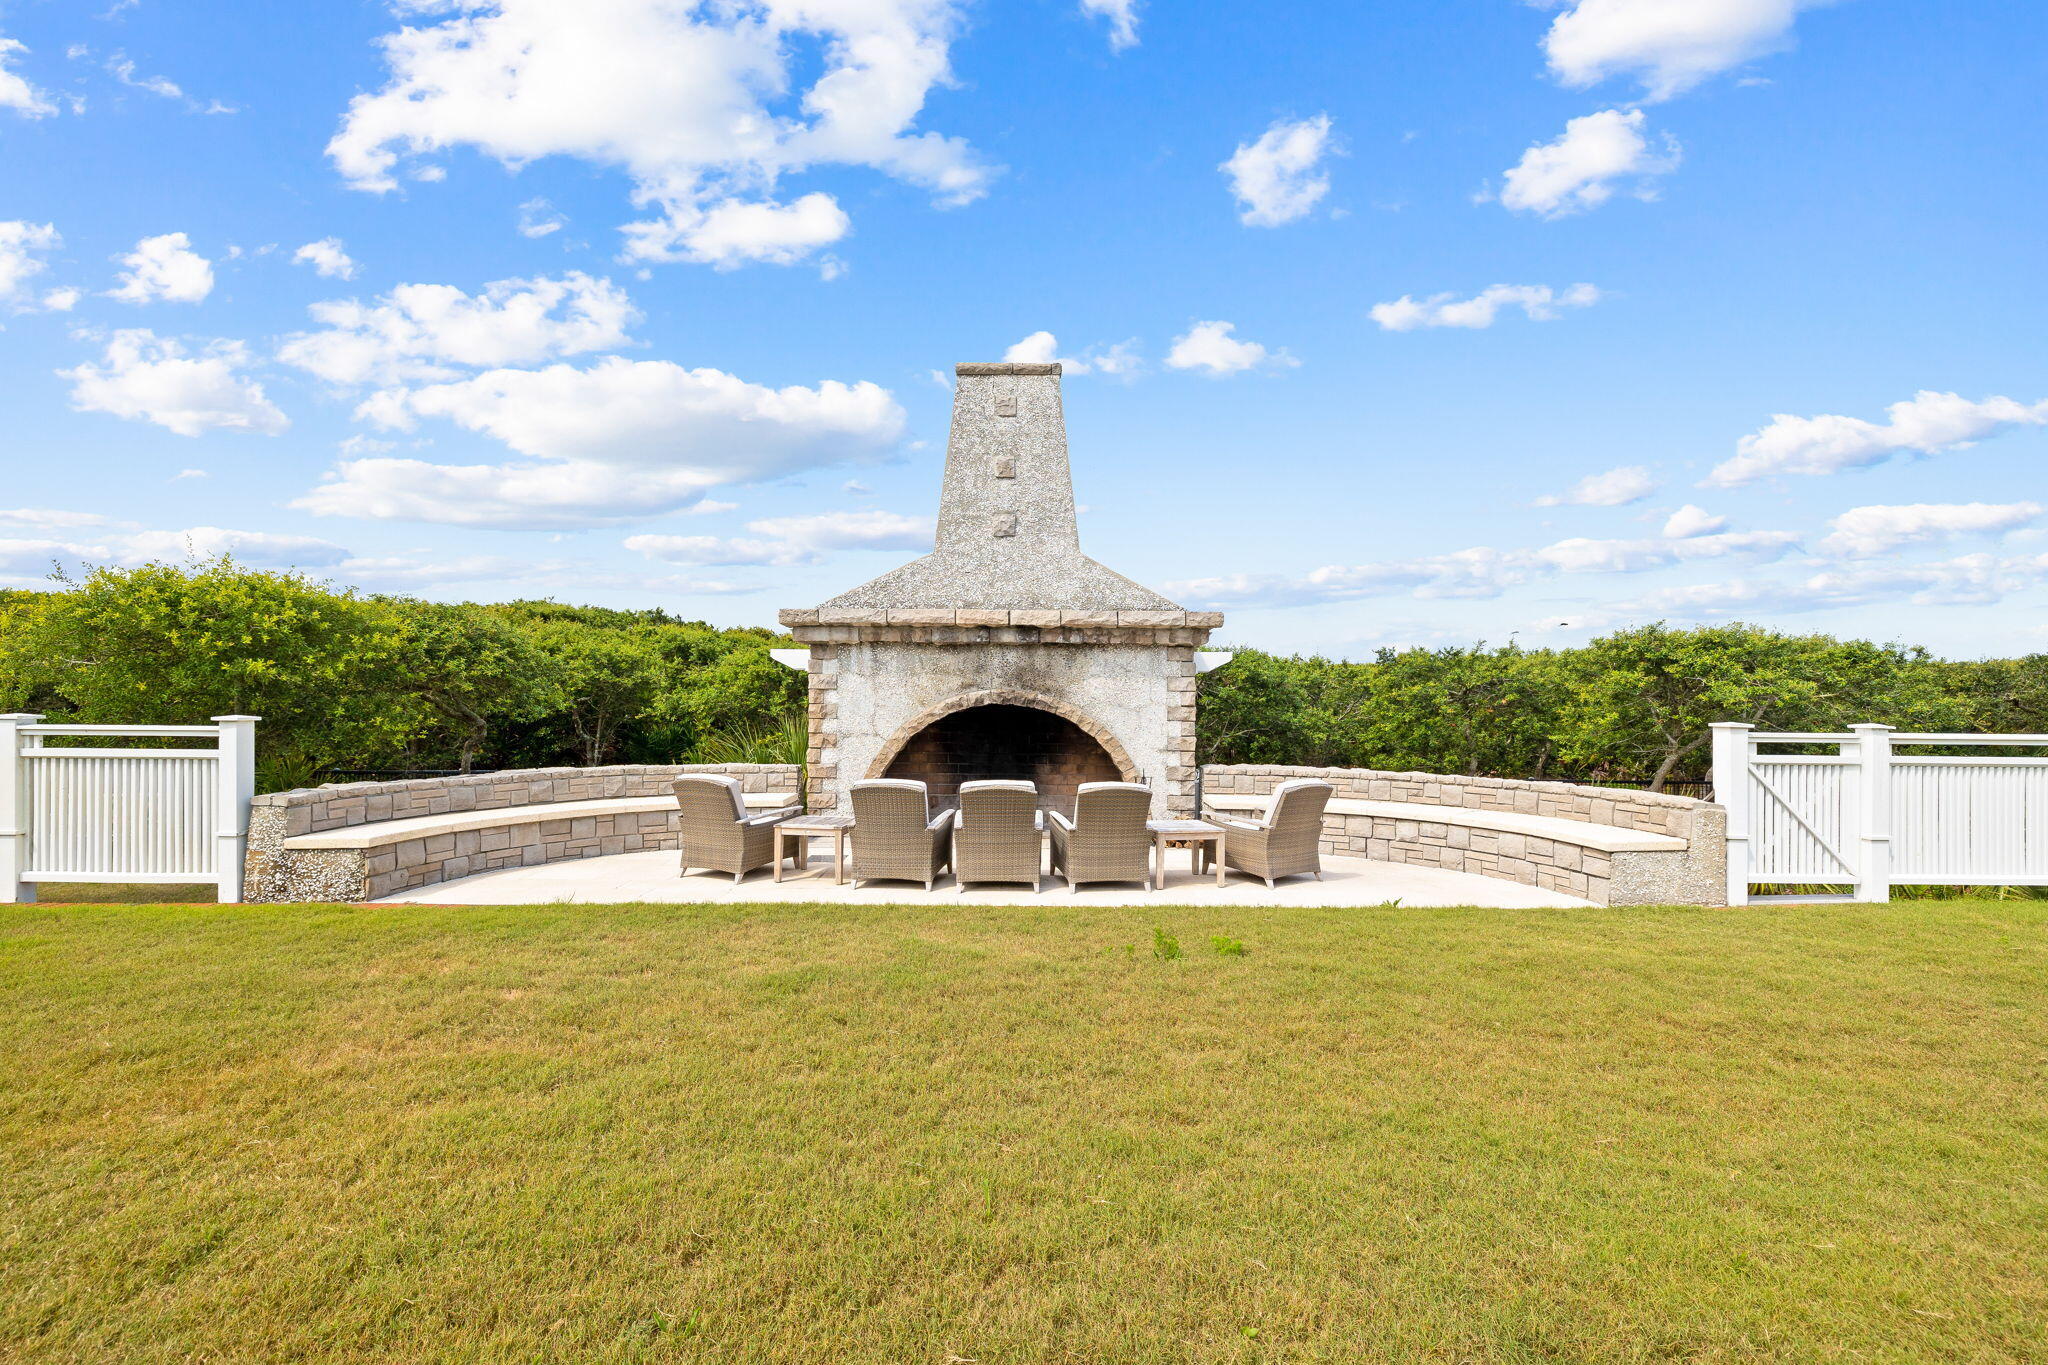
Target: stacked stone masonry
[1694, 876]
[278, 874]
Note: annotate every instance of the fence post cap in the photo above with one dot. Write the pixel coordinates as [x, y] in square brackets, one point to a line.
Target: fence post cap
[22, 715]
[1873, 727]
[1730, 725]
[222, 719]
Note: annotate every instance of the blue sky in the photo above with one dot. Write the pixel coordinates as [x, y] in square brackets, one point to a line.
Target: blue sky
[1408, 323]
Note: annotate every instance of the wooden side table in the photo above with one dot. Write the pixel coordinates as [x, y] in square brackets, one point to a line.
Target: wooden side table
[838, 824]
[1196, 832]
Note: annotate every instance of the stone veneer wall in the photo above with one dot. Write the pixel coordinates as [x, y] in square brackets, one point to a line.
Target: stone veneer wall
[276, 874]
[1694, 877]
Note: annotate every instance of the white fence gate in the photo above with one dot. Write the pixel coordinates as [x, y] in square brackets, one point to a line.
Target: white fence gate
[1869, 816]
[70, 813]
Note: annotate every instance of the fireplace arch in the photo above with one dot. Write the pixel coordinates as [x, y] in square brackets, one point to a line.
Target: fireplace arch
[1004, 734]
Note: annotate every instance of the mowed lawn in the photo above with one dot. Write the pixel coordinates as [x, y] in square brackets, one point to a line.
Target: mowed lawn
[935, 1133]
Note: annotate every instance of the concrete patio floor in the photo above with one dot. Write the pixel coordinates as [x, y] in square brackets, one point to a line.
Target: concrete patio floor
[654, 877]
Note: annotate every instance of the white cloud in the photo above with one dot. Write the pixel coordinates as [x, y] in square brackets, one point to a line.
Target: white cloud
[1580, 555]
[1969, 580]
[1671, 45]
[1615, 488]
[792, 540]
[123, 70]
[49, 518]
[22, 560]
[538, 218]
[735, 233]
[1579, 170]
[1481, 571]
[1876, 530]
[261, 548]
[1042, 348]
[1210, 347]
[143, 377]
[125, 545]
[15, 91]
[190, 474]
[619, 441]
[419, 331]
[869, 530]
[1689, 521]
[1928, 423]
[1123, 20]
[1538, 301]
[1275, 178]
[704, 107]
[327, 259]
[164, 269]
[19, 241]
[717, 551]
[62, 300]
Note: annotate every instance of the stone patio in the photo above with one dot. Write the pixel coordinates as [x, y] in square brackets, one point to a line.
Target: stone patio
[653, 876]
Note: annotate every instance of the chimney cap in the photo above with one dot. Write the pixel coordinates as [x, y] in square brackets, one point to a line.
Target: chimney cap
[1006, 367]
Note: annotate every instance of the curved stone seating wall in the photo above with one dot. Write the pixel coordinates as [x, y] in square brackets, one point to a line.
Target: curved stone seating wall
[1602, 844]
[357, 841]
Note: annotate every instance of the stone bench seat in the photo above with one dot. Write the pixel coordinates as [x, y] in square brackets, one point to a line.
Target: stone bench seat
[380, 833]
[358, 841]
[1605, 838]
[1602, 863]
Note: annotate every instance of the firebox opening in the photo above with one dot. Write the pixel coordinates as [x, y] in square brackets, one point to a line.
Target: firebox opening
[1005, 742]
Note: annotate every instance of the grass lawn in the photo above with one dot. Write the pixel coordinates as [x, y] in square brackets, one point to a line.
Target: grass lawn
[935, 1133]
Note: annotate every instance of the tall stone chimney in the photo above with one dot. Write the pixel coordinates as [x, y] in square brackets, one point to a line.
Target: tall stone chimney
[1005, 652]
[1007, 536]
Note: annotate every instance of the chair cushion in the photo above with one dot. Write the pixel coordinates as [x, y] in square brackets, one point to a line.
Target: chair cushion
[731, 784]
[1297, 784]
[1114, 787]
[998, 784]
[909, 783]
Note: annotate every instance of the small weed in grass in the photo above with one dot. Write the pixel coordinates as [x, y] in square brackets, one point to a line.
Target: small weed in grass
[1226, 946]
[1165, 946]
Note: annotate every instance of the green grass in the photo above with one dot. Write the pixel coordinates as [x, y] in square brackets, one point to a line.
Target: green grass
[933, 1133]
[126, 893]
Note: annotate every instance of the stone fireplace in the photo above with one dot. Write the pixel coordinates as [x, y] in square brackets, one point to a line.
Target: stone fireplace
[1005, 652]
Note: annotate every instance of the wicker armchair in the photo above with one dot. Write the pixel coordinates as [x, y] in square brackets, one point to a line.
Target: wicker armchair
[717, 832]
[1287, 842]
[998, 838]
[1106, 841]
[895, 835]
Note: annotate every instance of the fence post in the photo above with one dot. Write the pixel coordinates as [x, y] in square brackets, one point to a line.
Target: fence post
[14, 812]
[1874, 812]
[237, 784]
[1732, 749]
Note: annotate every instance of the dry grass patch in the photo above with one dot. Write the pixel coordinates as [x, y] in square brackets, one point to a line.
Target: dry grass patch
[1003, 1134]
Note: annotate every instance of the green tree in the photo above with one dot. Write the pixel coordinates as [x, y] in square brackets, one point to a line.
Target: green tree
[1252, 710]
[1647, 696]
[609, 679]
[1466, 710]
[476, 670]
[175, 644]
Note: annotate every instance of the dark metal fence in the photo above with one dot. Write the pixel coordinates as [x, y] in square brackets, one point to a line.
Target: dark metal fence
[392, 774]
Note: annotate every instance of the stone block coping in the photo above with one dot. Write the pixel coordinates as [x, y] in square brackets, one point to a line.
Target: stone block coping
[1604, 838]
[378, 833]
[964, 616]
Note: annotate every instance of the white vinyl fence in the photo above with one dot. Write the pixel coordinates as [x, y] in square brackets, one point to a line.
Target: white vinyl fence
[70, 813]
[1872, 817]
